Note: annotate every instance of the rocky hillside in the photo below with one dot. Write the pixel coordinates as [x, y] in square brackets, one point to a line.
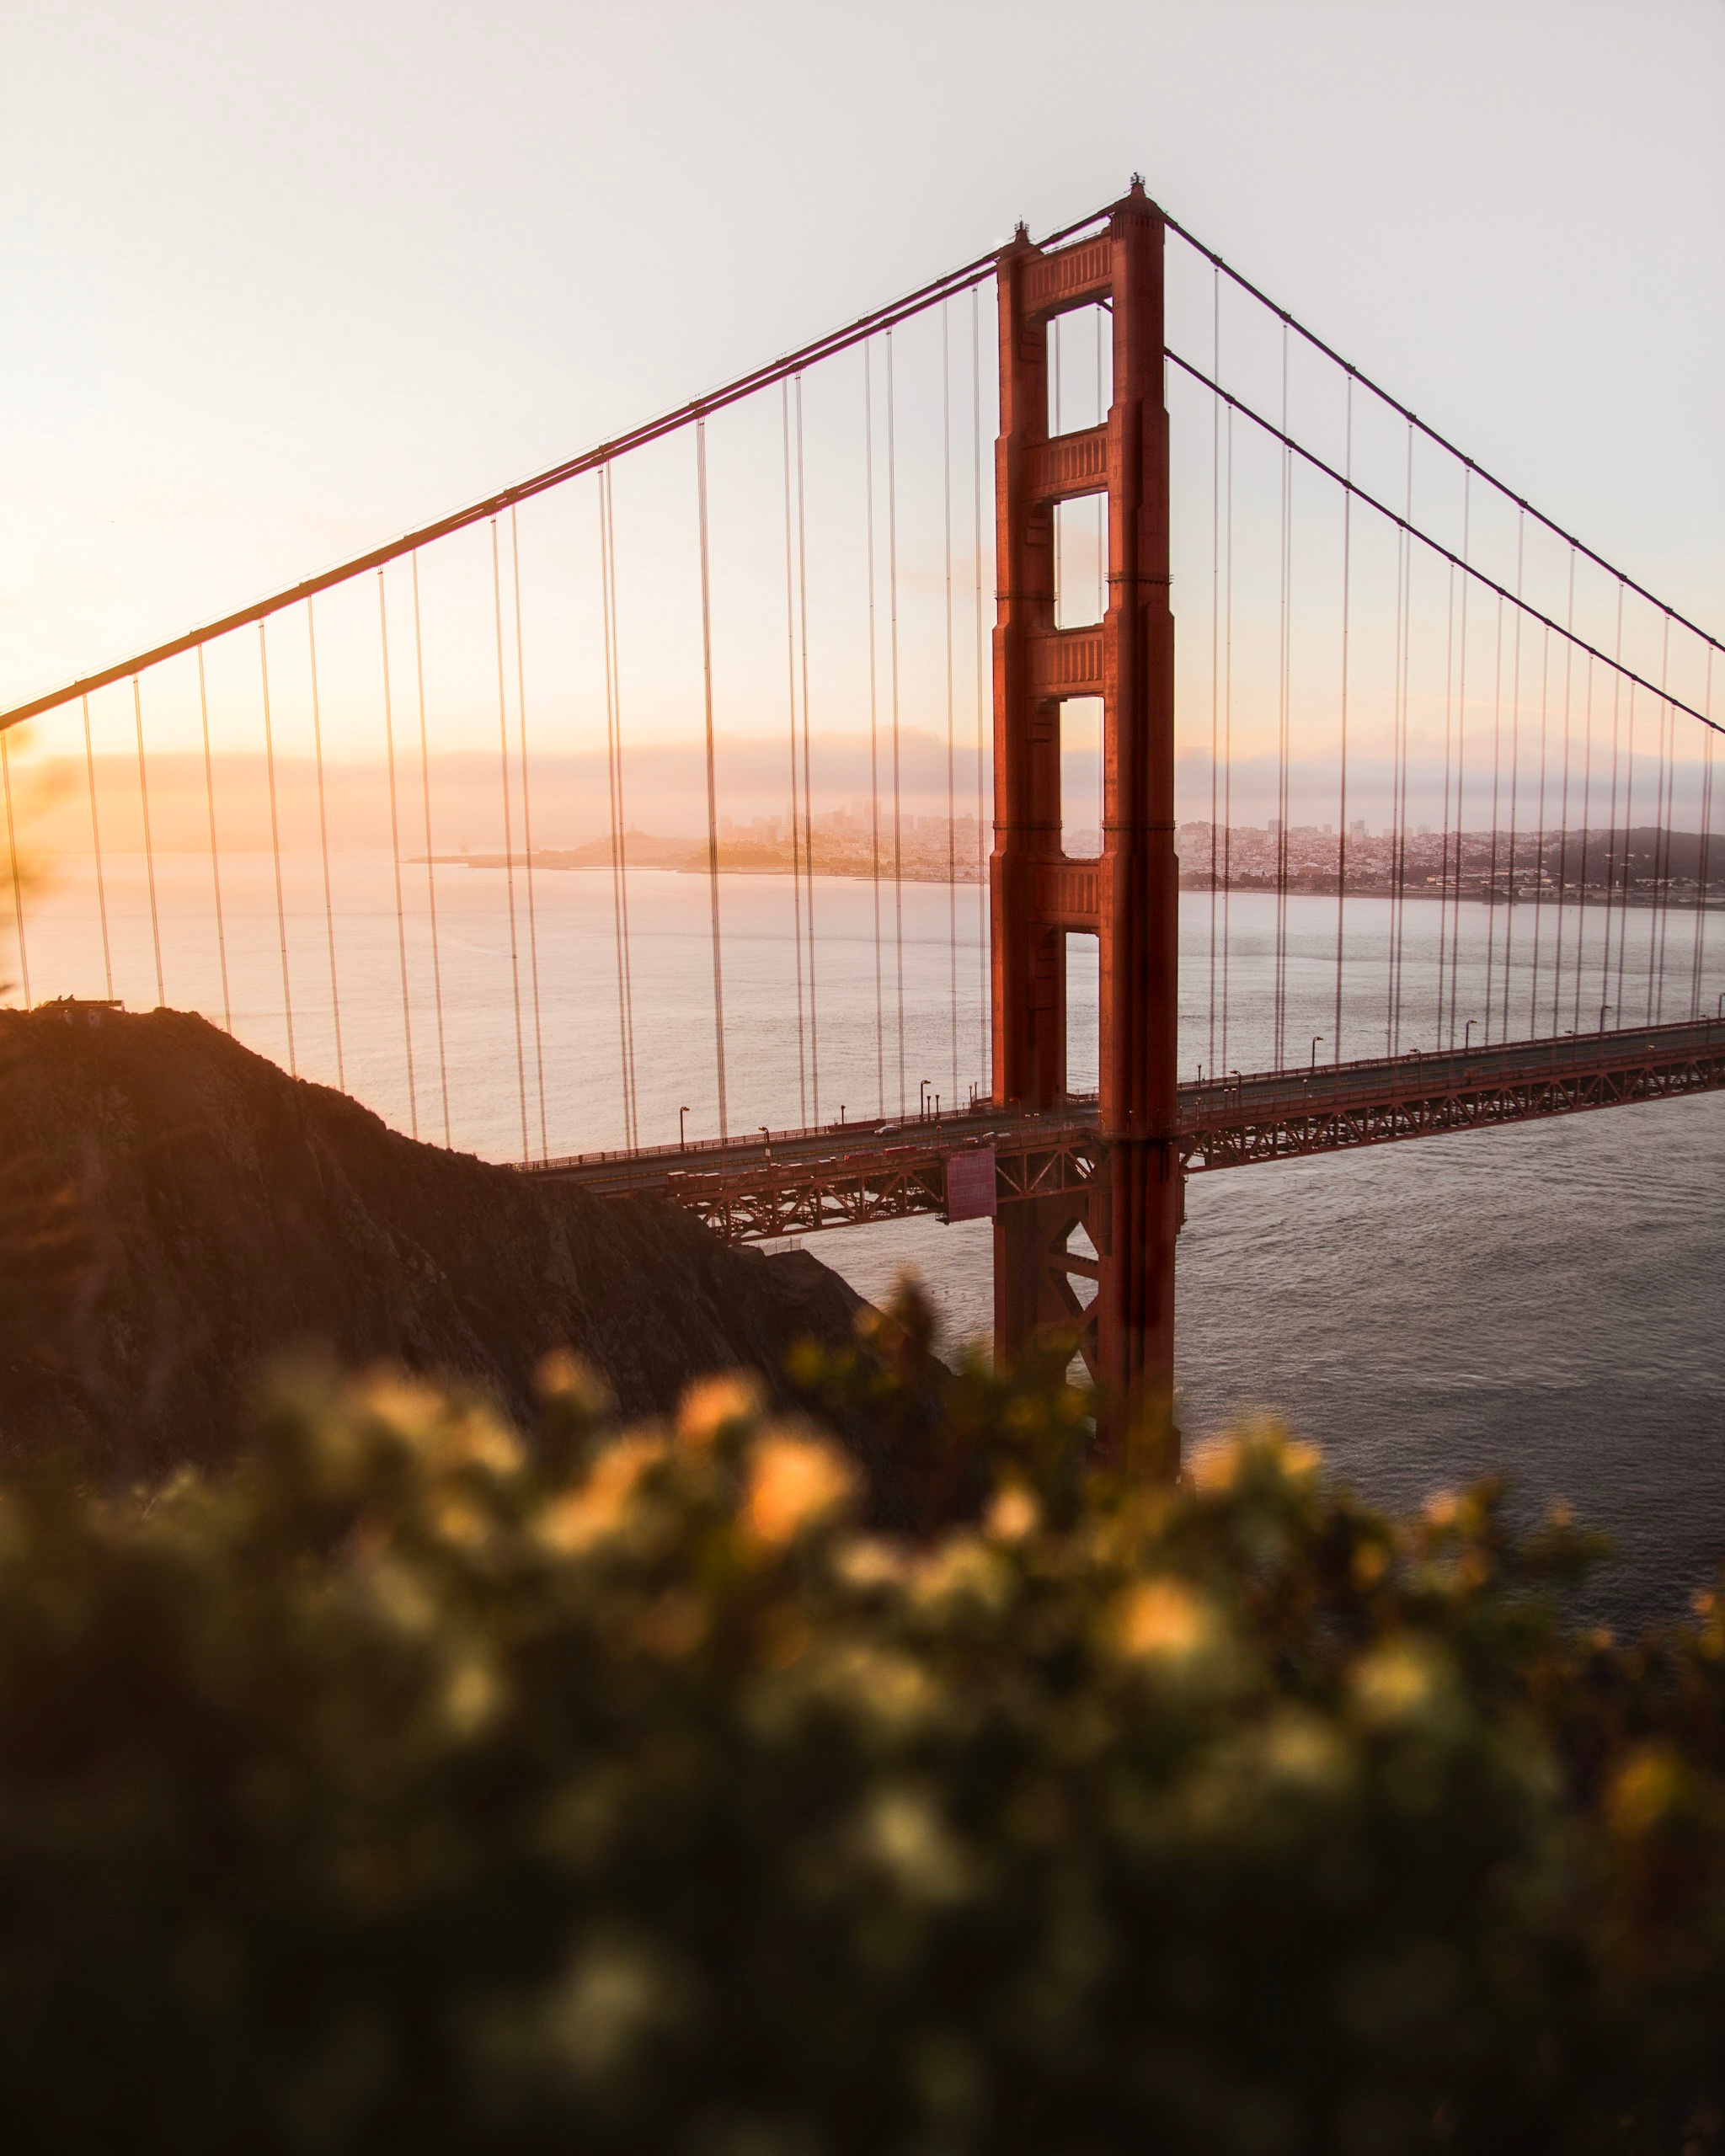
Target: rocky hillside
[175, 1212]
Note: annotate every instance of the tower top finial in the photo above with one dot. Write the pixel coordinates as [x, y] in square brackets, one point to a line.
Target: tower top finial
[1021, 230]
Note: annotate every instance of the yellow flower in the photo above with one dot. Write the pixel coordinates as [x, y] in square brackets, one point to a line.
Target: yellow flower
[793, 1483]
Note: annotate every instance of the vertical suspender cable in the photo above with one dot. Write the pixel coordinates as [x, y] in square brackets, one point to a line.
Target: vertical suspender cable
[323, 836]
[1398, 805]
[1628, 855]
[1667, 799]
[1704, 859]
[1228, 752]
[137, 707]
[401, 925]
[1215, 628]
[873, 736]
[712, 776]
[1444, 856]
[1611, 824]
[1461, 753]
[892, 559]
[619, 819]
[509, 843]
[796, 823]
[623, 816]
[514, 556]
[946, 468]
[1283, 663]
[982, 951]
[275, 843]
[1587, 797]
[1341, 817]
[96, 851]
[214, 864]
[1514, 773]
[1497, 788]
[23, 955]
[1399, 781]
[1563, 813]
[430, 864]
[1102, 500]
[1539, 856]
[807, 777]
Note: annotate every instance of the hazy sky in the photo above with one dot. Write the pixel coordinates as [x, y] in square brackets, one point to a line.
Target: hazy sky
[280, 282]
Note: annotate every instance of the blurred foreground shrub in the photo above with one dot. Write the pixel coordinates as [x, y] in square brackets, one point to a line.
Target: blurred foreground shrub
[415, 1787]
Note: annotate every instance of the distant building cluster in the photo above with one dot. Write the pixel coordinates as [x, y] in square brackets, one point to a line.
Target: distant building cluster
[1648, 863]
[925, 848]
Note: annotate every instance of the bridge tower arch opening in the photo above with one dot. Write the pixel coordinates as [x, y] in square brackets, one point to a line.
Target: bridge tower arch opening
[1127, 897]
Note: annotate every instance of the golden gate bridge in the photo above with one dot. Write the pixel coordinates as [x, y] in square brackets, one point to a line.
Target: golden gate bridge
[1374, 631]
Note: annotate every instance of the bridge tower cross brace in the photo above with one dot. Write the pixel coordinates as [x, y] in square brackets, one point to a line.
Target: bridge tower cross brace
[1129, 899]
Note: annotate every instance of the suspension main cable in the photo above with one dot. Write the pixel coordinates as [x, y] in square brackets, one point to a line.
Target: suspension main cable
[967, 278]
[23, 955]
[401, 925]
[514, 556]
[1476, 575]
[790, 687]
[712, 775]
[275, 837]
[431, 863]
[1431, 434]
[509, 849]
[96, 851]
[323, 835]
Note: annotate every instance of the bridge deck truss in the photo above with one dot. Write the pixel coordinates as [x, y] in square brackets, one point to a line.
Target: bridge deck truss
[799, 1183]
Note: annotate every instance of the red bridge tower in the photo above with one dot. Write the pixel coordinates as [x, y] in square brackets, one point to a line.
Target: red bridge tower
[1128, 898]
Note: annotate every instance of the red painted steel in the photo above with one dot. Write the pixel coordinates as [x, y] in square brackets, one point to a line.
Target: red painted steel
[1129, 899]
[801, 1180]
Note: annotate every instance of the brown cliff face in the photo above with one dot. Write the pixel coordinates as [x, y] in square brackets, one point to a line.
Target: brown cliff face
[176, 1213]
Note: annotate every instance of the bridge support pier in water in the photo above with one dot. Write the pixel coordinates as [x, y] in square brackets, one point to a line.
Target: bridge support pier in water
[1128, 898]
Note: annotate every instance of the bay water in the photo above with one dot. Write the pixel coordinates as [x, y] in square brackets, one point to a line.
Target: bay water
[1545, 1301]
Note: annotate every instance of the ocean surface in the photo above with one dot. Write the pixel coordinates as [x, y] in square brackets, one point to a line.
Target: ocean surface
[1547, 1302]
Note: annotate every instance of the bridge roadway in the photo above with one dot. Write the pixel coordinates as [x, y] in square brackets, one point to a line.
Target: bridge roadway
[785, 1182]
